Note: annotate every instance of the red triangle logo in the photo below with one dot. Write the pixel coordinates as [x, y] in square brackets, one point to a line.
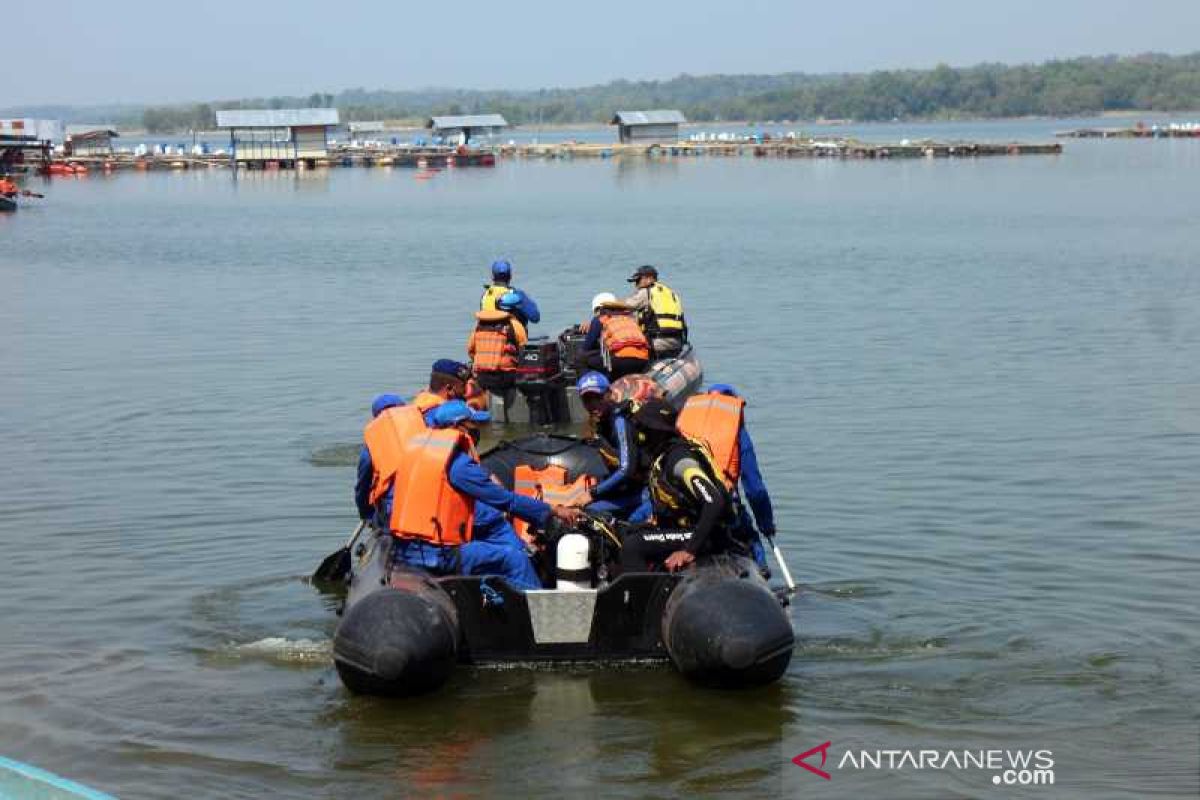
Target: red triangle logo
[823, 750]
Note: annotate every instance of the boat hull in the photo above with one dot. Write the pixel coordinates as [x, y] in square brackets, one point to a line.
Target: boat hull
[403, 631]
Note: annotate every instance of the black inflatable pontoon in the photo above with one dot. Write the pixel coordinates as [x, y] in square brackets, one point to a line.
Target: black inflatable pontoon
[403, 630]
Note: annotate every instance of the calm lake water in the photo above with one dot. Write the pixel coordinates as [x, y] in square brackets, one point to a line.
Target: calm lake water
[974, 385]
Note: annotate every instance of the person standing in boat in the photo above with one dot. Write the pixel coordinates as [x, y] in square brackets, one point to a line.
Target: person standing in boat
[622, 492]
[614, 344]
[659, 311]
[717, 418]
[495, 345]
[525, 310]
[692, 509]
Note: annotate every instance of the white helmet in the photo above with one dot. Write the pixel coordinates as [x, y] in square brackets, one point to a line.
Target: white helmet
[602, 298]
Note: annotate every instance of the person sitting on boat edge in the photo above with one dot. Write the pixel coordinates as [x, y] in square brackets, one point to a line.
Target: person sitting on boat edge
[372, 513]
[614, 344]
[659, 311]
[717, 417]
[437, 494]
[692, 509]
[494, 347]
[448, 380]
[622, 492]
[526, 310]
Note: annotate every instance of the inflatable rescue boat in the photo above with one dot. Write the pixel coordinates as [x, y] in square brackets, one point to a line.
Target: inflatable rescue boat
[542, 391]
[403, 631]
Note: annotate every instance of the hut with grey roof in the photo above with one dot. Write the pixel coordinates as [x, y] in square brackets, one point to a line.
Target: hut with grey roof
[464, 128]
[660, 125]
[286, 136]
[89, 140]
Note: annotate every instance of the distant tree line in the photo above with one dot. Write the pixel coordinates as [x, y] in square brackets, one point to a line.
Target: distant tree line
[1072, 87]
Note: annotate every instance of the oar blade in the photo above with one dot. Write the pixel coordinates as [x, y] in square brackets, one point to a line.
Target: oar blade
[334, 568]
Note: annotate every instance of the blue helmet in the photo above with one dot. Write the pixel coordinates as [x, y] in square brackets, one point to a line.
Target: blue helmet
[592, 383]
[509, 301]
[383, 402]
[501, 269]
[723, 388]
[453, 412]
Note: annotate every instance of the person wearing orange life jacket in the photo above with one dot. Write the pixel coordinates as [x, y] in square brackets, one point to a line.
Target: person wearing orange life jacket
[495, 345]
[614, 344]
[717, 417]
[437, 490]
[369, 508]
[447, 381]
[660, 312]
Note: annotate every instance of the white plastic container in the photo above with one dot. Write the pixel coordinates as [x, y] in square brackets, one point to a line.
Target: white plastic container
[573, 572]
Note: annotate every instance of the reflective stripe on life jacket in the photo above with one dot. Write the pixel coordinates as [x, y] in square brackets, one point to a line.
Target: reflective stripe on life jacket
[665, 316]
[492, 293]
[716, 420]
[385, 437]
[621, 335]
[425, 505]
[548, 485]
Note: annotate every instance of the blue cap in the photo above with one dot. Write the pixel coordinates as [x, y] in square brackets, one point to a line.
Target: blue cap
[723, 388]
[508, 301]
[501, 269]
[452, 412]
[452, 368]
[592, 383]
[385, 401]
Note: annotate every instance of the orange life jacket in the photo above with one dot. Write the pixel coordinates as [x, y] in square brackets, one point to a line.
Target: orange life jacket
[621, 334]
[548, 485]
[7, 187]
[495, 343]
[425, 400]
[716, 420]
[424, 505]
[385, 437]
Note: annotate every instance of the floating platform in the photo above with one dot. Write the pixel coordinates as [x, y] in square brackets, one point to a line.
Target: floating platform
[447, 158]
[1174, 131]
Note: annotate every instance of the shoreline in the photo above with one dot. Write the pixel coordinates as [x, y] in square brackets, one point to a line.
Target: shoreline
[408, 126]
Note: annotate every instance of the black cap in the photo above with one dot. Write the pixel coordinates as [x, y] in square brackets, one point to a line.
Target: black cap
[656, 415]
[642, 271]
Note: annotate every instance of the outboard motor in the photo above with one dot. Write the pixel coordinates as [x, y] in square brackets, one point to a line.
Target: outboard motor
[537, 372]
[570, 344]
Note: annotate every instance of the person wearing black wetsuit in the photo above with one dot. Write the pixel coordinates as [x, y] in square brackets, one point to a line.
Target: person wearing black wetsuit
[693, 511]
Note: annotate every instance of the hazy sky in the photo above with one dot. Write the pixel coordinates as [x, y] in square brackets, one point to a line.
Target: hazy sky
[83, 51]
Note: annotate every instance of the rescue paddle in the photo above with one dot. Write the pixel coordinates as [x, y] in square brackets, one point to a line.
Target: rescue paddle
[27, 193]
[337, 564]
[787, 575]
